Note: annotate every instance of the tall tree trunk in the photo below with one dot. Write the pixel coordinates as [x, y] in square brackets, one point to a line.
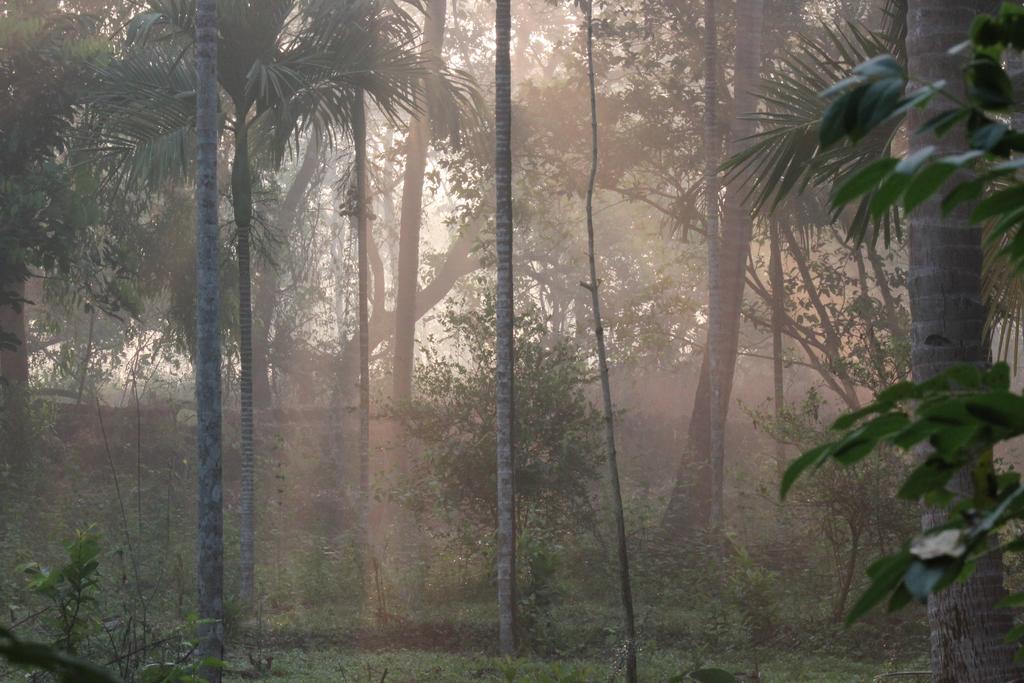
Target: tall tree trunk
[416, 146]
[14, 362]
[504, 357]
[700, 478]
[241, 196]
[264, 299]
[625, 587]
[210, 560]
[948, 314]
[778, 286]
[362, 216]
[713, 350]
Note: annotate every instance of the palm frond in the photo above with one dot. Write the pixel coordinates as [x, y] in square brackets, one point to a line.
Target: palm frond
[784, 157]
[144, 112]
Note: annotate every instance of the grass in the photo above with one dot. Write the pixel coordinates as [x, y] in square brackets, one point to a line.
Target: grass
[321, 665]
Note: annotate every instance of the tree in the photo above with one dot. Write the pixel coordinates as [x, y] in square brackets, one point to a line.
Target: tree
[506, 555]
[706, 440]
[713, 350]
[948, 314]
[966, 497]
[362, 220]
[210, 561]
[625, 587]
[284, 69]
[417, 144]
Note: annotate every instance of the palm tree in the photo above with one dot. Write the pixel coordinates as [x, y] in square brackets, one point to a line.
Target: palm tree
[208, 416]
[284, 66]
[625, 586]
[362, 221]
[949, 327]
[505, 328]
[945, 272]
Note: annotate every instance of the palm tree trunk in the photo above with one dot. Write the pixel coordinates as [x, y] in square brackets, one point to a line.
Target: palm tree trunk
[416, 147]
[362, 235]
[716, 417]
[241, 195]
[505, 327]
[625, 586]
[210, 561]
[948, 314]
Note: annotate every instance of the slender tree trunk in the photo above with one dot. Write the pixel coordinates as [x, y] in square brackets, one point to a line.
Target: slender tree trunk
[362, 235]
[210, 564]
[948, 314]
[14, 362]
[416, 146]
[713, 350]
[625, 586]
[87, 358]
[264, 298]
[700, 477]
[241, 195]
[505, 329]
[778, 286]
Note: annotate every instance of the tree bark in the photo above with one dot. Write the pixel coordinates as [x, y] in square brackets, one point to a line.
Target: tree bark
[704, 455]
[948, 327]
[14, 363]
[625, 586]
[210, 556]
[778, 285]
[362, 218]
[416, 146]
[506, 555]
[716, 341]
[241, 196]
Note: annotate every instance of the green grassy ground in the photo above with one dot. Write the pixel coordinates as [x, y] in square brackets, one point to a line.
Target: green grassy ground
[417, 666]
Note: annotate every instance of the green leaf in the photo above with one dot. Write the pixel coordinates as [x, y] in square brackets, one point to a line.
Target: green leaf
[863, 181]
[929, 476]
[942, 122]
[815, 456]
[1011, 601]
[909, 164]
[964, 192]
[887, 195]
[922, 577]
[1001, 202]
[886, 575]
[925, 184]
[987, 137]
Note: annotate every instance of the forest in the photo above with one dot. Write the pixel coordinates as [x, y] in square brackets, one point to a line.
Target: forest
[424, 341]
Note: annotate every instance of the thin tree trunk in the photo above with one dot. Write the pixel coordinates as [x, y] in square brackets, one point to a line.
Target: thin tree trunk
[362, 235]
[241, 195]
[87, 358]
[416, 146]
[716, 412]
[948, 314]
[14, 362]
[625, 587]
[778, 286]
[506, 556]
[210, 558]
